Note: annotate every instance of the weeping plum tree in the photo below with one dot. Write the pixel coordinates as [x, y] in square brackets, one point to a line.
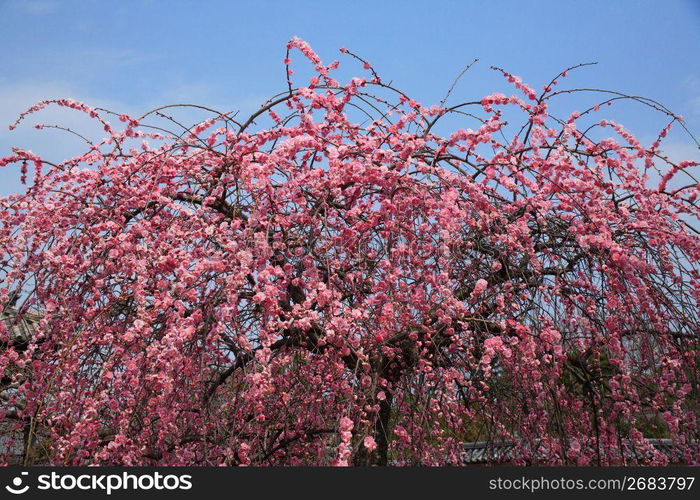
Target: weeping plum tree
[345, 285]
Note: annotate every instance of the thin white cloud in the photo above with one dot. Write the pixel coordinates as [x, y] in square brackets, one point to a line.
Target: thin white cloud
[694, 105]
[54, 145]
[692, 84]
[681, 151]
[208, 95]
[35, 7]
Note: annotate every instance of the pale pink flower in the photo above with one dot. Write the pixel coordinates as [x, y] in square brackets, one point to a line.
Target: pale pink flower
[479, 288]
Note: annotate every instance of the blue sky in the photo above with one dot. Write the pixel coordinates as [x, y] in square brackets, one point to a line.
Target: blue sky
[131, 56]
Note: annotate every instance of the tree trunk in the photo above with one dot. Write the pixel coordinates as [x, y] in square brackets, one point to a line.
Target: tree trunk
[380, 456]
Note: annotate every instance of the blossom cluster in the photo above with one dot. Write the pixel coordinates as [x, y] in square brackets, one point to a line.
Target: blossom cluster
[334, 282]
